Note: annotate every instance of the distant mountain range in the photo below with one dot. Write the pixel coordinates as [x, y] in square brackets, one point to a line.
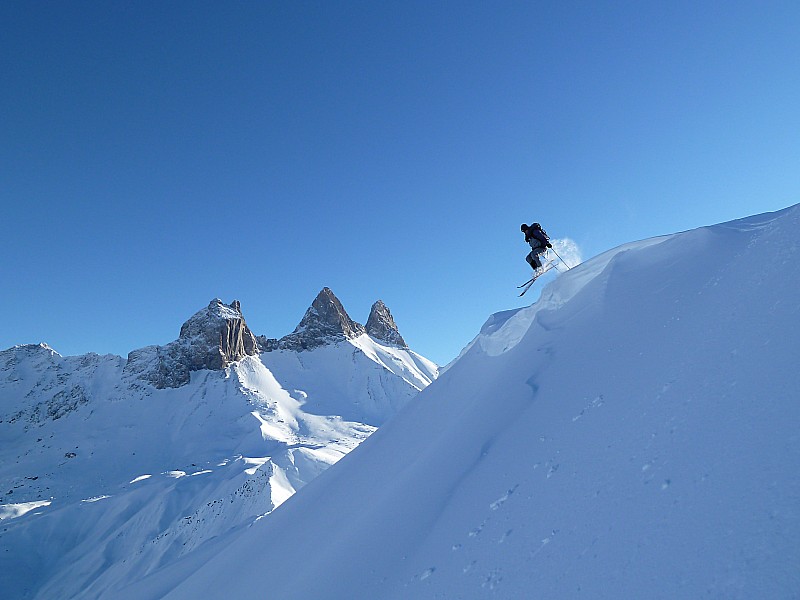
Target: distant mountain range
[110, 468]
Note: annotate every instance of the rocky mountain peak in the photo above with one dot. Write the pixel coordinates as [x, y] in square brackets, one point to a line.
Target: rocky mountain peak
[218, 335]
[211, 339]
[326, 321]
[381, 326]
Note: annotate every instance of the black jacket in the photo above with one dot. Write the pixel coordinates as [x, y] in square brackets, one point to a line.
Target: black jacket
[535, 238]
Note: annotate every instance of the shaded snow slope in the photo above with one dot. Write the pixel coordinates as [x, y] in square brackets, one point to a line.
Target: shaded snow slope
[104, 478]
[632, 435]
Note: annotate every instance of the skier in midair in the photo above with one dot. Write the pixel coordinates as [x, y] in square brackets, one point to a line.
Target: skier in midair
[539, 242]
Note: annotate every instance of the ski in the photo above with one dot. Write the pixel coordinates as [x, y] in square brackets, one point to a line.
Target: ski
[527, 287]
[528, 284]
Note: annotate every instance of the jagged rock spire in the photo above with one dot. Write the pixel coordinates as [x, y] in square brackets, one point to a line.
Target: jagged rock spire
[326, 321]
[382, 327]
[212, 338]
[218, 336]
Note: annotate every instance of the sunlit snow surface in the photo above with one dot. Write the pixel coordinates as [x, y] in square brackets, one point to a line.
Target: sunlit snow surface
[12, 511]
[634, 434]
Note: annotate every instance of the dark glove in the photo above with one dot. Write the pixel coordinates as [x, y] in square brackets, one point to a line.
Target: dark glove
[549, 245]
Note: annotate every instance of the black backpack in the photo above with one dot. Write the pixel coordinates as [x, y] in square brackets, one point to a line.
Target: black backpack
[543, 232]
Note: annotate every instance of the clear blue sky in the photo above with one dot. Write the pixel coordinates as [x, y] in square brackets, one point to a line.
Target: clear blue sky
[155, 155]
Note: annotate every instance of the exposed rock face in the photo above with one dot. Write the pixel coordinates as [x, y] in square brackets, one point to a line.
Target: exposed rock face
[266, 344]
[160, 366]
[212, 339]
[325, 322]
[218, 336]
[381, 326]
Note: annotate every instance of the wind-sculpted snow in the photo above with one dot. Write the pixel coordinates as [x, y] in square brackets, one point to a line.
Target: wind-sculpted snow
[504, 330]
[631, 435]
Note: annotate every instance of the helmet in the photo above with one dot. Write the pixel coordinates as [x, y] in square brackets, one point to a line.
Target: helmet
[536, 226]
[523, 227]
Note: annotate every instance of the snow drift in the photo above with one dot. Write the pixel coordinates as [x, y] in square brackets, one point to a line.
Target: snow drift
[632, 434]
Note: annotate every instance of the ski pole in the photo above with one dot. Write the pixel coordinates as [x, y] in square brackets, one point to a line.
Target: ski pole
[561, 259]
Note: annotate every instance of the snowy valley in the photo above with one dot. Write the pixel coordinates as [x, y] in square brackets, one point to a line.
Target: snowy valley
[111, 468]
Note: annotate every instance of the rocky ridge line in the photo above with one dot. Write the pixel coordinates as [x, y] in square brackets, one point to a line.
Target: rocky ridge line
[327, 322]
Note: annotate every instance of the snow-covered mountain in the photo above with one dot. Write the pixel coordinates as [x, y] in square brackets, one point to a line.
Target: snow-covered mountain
[338, 366]
[111, 468]
[633, 434]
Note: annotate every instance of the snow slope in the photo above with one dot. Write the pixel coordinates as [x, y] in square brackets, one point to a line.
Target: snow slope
[106, 478]
[360, 380]
[631, 435]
